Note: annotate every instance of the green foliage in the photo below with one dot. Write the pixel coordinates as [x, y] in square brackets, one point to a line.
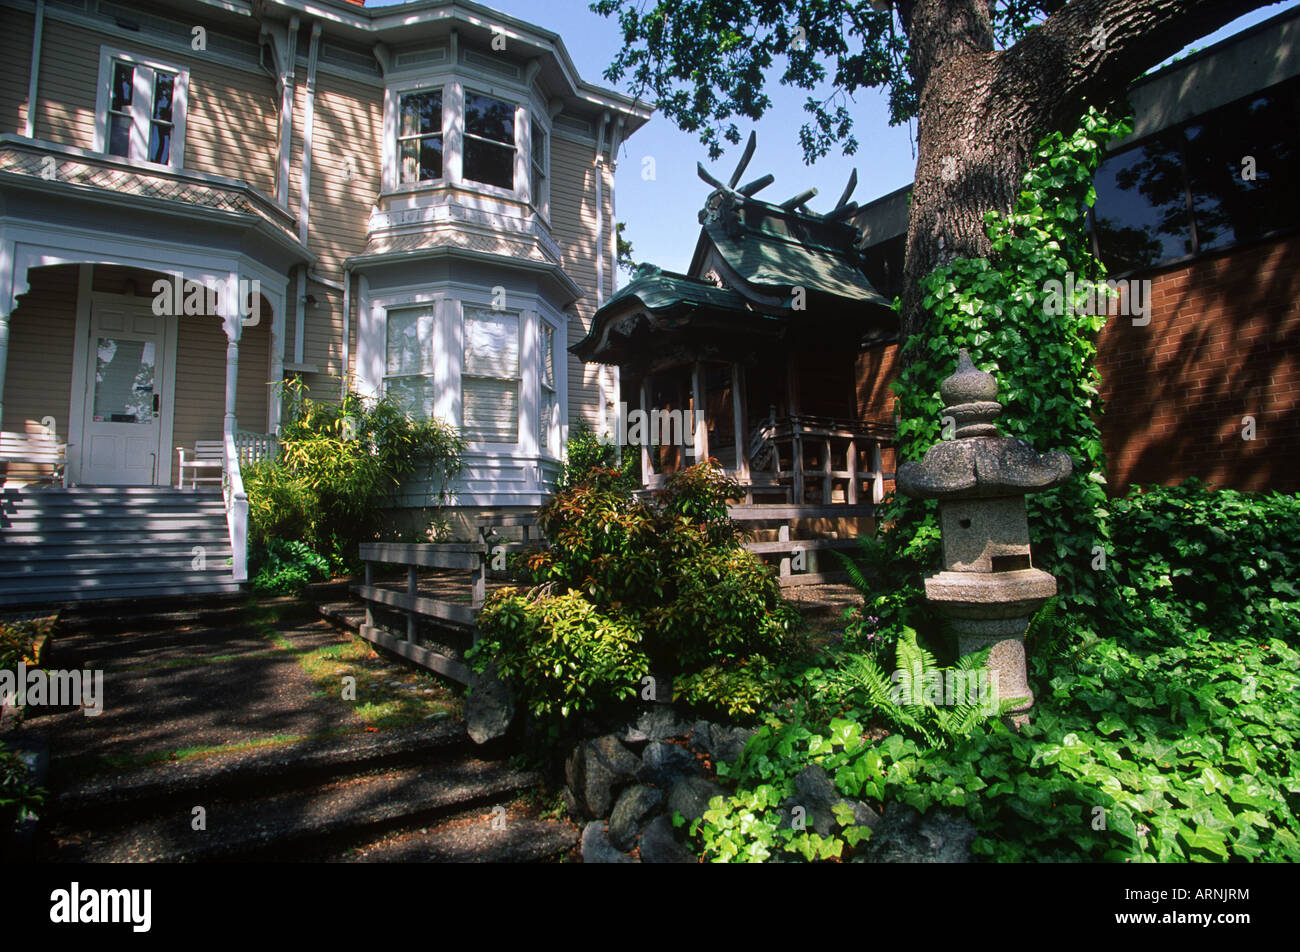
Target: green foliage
[289, 567]
[707, 613]
[706, 62]
[18, 640]
[1171, 738]
[18, 796]
[338, 464]
[586, 452]
[564, 655]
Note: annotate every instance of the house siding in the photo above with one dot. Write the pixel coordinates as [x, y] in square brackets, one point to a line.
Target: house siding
[16, 51]
[42, 330]
[573, 225]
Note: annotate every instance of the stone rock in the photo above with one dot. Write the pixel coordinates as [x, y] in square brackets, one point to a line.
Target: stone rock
[633, 804]
[663, 764]
[729, 743]
[659, 844]
[596, 847]
[658, 723]
[594, 769]
[702, 737]
[489, 707]
[690, 797]
[816, 793]
[904, 836]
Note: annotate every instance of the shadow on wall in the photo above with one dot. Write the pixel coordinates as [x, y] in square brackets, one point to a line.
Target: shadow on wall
[1223, 344]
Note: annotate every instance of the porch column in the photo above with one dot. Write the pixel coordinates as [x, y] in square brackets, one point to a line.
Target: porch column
[229, 307]
[4, 348]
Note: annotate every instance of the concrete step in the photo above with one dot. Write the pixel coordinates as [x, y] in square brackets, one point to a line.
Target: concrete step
[34, 596]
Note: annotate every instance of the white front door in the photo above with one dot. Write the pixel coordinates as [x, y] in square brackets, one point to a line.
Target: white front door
[126, 406]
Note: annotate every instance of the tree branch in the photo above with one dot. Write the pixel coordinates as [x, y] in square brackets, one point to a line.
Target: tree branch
[1090, 50]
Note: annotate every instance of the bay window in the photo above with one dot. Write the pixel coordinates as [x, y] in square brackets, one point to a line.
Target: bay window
[541, 168]
[490, 378]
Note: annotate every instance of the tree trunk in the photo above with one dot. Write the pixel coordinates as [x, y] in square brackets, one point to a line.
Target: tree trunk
[982, 111]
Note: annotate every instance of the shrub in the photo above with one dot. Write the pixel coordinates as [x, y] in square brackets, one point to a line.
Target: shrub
[18, 640]
[585, 452]
[338, 465]
[17, 795]
[565, 656]
[289, 567]
[675, 573]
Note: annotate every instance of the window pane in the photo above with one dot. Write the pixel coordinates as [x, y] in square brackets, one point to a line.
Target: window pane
[490, 118]
[421, 113]
[539, 146]
[489, 163]
[546, 421]
[415, 395]
[491, 343]
[119, 135]
[1141, 211]
[1229, 207]
[490, 410]
[123, 80]
[163, 90]
[410, 342]
[548, 356]
[124, 382]
[160, 142]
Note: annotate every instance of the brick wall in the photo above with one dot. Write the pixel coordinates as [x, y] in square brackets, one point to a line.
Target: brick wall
[1223, 343]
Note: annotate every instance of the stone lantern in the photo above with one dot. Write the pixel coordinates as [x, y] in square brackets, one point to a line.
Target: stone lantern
[988, 587]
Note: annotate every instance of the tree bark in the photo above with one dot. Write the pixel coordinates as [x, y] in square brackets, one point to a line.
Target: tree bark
[982, 111]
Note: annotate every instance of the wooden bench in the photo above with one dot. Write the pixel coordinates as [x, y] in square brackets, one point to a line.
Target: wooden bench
[207, 455]
[39, 451]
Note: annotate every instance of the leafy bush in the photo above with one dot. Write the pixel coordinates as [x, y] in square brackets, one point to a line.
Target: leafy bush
[565, 656]
[707, 613]
[17, 795]
[18, 640]
[337, 466]
[289, 567]
[585, 452]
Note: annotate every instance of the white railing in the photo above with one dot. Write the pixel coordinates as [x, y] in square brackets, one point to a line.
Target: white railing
[255, 447]
[232, 484]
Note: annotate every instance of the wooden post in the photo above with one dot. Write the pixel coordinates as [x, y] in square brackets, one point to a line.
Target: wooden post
[646, 469]
[798, 461]
[742, 437]
[852, 461]
[877, 476]
[480, 584]
[828, 483]
[783, 535]
[370, 581]
[698, 419]
[412, 590]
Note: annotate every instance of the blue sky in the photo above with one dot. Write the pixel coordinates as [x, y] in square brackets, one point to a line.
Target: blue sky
[661, 214]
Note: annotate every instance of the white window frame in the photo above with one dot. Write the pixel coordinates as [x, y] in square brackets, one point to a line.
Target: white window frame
[398, 137]
[142, 106]
[541, 203]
